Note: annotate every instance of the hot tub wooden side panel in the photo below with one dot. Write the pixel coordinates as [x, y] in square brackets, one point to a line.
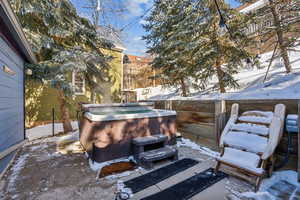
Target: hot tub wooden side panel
[112, 139]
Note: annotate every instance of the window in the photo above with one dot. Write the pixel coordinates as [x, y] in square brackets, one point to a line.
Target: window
[78, 83]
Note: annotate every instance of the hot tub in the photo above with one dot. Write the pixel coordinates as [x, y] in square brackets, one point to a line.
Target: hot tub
[106, 130]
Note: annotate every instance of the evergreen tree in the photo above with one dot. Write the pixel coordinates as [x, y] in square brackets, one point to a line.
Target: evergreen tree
[63, 42]
[224, 46]
[189, 42]
[167, 43]
[284, 29]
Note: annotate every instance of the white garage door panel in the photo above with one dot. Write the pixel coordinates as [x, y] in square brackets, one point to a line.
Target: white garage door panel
[10, 54]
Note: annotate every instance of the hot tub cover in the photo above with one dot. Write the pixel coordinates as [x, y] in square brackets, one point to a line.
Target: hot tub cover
[113, 117]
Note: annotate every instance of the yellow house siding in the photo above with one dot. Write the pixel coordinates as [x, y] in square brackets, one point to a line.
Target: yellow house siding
[41, 99]
[115, 73]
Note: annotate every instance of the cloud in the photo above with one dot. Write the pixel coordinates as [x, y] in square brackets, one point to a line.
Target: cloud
[143, 22]
[136, 46]
[137, 7]
[137, 38]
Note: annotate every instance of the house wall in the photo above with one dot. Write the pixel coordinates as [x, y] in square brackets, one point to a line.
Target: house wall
[116, 71]
[138, 73]
[11, 97]
[41, 99]
[269, 44]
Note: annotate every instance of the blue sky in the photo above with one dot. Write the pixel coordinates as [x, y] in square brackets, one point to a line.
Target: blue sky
[130, 20]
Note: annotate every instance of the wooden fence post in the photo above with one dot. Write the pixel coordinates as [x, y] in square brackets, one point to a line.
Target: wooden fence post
[168, 105]
[220, 119]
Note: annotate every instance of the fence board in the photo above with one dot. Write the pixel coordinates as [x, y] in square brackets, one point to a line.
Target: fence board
[195, 117]
[204, 130]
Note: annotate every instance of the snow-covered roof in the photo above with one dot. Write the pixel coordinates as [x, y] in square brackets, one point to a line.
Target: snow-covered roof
[254, 6]
[111, 35]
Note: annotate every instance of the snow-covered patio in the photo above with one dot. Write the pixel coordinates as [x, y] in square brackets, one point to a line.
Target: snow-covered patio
[39, 171]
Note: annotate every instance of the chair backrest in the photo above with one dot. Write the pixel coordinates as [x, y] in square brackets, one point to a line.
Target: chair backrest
[234, 109]
[280, 112]
[276, 131]
[275, 128]
[274, 138]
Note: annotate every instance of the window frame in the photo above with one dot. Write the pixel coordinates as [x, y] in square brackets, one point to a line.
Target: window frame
[74, 73]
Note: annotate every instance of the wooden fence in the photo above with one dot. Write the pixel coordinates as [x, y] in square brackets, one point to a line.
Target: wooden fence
[203, 121]
[195, 120]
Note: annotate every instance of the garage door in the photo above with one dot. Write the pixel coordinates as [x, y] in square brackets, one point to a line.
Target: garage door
[11, 97]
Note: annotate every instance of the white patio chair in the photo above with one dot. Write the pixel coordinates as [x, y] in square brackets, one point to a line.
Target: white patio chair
[248, 143]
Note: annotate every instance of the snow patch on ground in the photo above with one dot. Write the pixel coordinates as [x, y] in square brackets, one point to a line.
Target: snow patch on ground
[289, 176]
[95, 166]
[41, 145]
[38, 147]
[45, 155]
[188, 143]
[68, 137]
[123, 174]
[123, 190]
[16, 170]
[259, 196]
[46, 130]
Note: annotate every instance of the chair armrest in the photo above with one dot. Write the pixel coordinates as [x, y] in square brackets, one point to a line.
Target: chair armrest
[274, 137]
[227, 128]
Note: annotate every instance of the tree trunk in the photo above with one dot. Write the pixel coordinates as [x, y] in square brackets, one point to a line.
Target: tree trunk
[93, 96]
[65, 116]
[183, 87]
[279, 32]
[220, 75]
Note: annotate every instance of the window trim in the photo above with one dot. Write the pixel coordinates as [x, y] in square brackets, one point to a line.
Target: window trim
[73, 84]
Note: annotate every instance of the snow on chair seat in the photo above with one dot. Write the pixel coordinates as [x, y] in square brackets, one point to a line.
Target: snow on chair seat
[244, 141]
[258, 113]
[251, 128]
[242, 159]
[259, 117]
[255, 119]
